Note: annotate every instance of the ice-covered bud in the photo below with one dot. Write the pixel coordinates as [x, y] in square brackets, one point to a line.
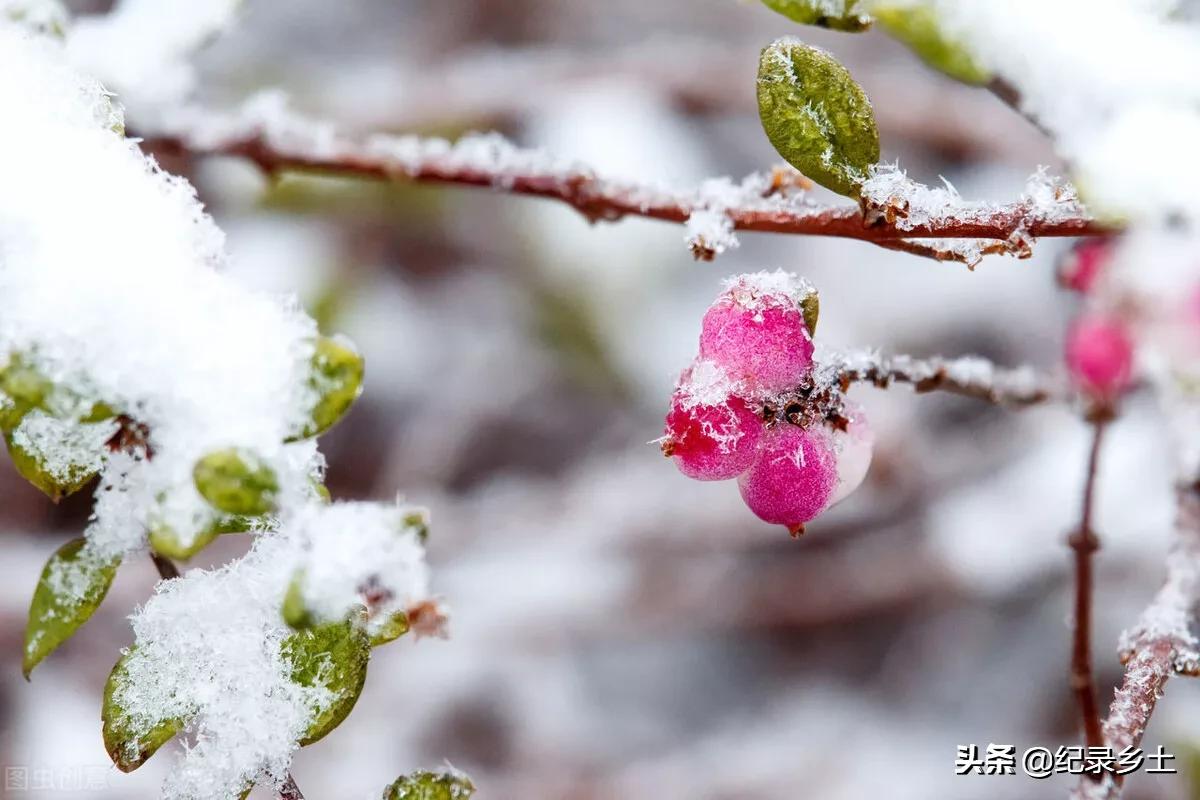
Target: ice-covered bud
[794, 477]
[337, 378]
[1099, 354]
[711, 433]
[236, 481]
[431, 786]
[756, 331]
[1084, 264]
[853, 447]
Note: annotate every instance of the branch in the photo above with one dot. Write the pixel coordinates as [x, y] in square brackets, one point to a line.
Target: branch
[970, 376]
[1159, 646]
[1084, 543]
[289, 790]
[277, 140]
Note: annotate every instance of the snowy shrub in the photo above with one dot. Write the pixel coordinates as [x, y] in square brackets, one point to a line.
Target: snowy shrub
[130, 362]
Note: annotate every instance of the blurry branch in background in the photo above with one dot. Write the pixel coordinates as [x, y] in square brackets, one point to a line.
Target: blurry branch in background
[1160, 645]
[1084, 544]
[503, 88]
[970, 376]
[277, 140]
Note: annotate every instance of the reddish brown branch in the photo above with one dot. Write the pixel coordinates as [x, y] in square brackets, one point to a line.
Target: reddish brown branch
[289, 790]
[277, 141]
[1160, 645]
[1084, 544]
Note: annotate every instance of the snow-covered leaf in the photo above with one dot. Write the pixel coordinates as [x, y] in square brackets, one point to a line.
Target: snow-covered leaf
[73, 583]
[816, 116]
[131, 739]
[332, 657]
[337, 381]
[918, 26]
[425, 785]
[840, 15]
[390, 629]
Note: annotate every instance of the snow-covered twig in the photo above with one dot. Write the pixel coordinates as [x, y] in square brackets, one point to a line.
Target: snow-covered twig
[275, 139]
[969, 376]
[1160, 645]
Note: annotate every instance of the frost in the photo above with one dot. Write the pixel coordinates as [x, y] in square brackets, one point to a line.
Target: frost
[755, 291]
[65, 450]
[705, 383]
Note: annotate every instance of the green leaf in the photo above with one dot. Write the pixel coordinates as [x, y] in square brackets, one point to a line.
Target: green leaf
[73, 583]
[810, 307]
[390, 629]
[23, 389]
[816, 116]
[236, 481]
[166, 541]
[130, 741]
[426, 785]
[334, 657]
[839, 15]
[917, 25]
[55, 484]
[337, 378]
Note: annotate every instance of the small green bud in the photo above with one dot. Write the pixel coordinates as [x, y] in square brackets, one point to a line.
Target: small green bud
[295, 613]
[425, 785]
[236, 481]
[24, 389]
[917, 25]
[166, 541]
[816, 116]
[337, 378]
[418, 522]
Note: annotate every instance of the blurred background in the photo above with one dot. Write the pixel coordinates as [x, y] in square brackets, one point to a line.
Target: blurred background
[618, 630]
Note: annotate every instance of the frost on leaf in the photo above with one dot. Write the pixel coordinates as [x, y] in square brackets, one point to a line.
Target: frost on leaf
[73, 583]
[330, 659]
[917, 24]
[840, 15]
[816, 116]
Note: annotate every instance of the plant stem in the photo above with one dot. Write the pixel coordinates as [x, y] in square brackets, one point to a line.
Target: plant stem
[166, 567]
[1084, 543]
[289, 790]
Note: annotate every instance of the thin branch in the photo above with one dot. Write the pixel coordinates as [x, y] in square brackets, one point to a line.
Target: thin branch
[1160, 645]
[277, 140]
[289, 790]
[1084, 543]
[166, 567]
[969, 376]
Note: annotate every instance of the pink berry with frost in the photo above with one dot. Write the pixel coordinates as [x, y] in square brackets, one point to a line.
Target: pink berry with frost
[711, 434]
[1084, 265]
[756, 332]
[1099, 354]
[794, 477]
[853, 447]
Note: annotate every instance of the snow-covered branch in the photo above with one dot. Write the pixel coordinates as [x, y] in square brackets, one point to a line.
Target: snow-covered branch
[969, 376]
[1160, 645]
[277, 140]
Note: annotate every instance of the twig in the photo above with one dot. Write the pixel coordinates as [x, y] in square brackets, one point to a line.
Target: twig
[1160, 645]
[969, 376]
[166, 567]
[277, 140]
[1084, 543]
[289, 790]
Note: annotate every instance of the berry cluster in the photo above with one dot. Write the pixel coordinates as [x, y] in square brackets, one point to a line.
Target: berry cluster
[746, 407]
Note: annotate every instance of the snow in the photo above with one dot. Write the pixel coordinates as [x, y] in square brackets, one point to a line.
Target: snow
[142, 47]
[112, 274]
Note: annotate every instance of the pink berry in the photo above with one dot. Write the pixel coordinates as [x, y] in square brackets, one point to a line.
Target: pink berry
[710, 433]
[756, 331]
[794, 477]
[853, 447]
[1099, 356]
[1084, 265]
